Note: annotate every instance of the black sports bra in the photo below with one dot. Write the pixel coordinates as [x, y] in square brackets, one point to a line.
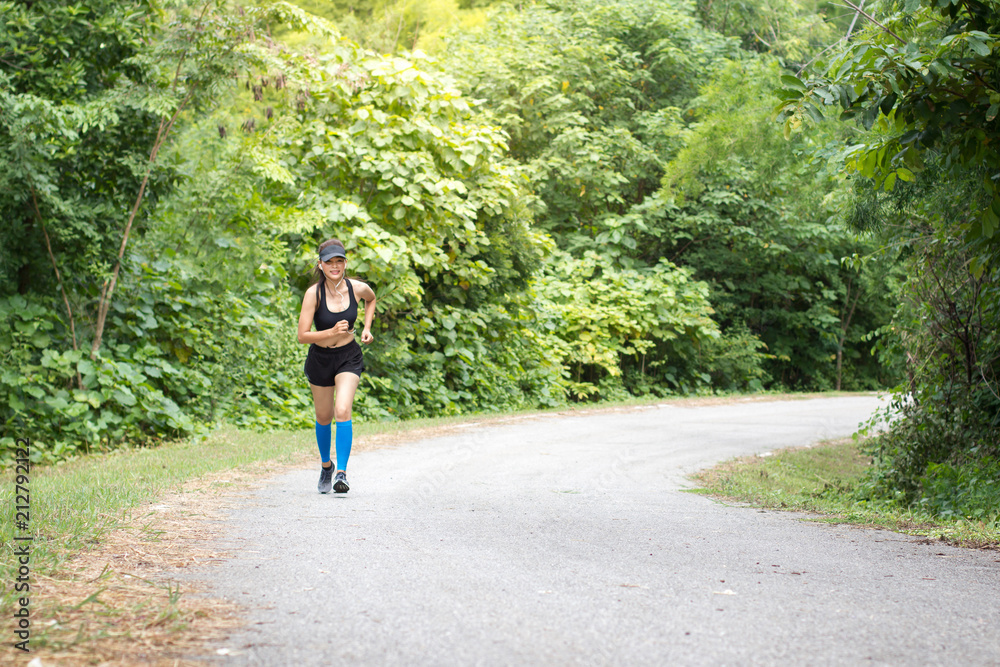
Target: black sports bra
[324, 319]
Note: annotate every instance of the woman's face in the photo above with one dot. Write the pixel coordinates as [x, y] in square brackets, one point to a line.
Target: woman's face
[334, 267]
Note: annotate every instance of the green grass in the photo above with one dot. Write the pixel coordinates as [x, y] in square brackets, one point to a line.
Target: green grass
[820, 479]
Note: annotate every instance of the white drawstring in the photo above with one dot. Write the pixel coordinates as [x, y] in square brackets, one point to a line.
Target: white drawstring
[336, 288]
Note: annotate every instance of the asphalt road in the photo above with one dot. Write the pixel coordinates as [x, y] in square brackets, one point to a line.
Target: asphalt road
[567, 540]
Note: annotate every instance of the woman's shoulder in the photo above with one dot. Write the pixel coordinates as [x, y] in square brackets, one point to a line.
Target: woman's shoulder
[360, 286]
[311, 293]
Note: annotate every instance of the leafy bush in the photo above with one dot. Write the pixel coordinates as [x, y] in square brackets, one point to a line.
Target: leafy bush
[241, 360]
[735, 361]
[68, 404]
[453, 361]
[925, 437]
[971, 491]
[945, 329]
[598, 320]
[924, 182]
[179, 356]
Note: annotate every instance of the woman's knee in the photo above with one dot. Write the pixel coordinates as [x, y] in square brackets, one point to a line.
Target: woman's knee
[342, 413]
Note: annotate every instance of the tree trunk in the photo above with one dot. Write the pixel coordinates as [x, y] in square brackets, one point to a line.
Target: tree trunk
[62, 286]
[845, 325]
[840, 361]
[109, 287]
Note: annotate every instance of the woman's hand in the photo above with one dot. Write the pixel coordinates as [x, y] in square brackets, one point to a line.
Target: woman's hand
[339, 328]
[366, 336]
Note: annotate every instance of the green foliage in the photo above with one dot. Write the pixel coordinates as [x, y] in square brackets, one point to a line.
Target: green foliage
[89, 95]
[453, 361]
[84, 162]
[73, 148]
[385, 155]
[118, 399]
[923, 83]
[945, 328]
[393, 154]
[756, 221]
[434, 219]
[588, 92]
[735, 361]
[936, 458]
[177, 358]
[202, 328]
[971, 491]
[600, 102]
[791, 29]
[601, 322]
[947, 321]
[394, 26]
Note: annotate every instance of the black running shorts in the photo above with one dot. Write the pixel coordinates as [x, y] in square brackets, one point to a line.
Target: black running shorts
[323, 364]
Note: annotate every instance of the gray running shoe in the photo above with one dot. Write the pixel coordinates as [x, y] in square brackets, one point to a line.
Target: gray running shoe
[340, 484]
[325, 475]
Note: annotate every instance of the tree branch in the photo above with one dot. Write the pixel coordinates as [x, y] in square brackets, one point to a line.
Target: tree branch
[978, 77]
[55, 267]
[873, 20]
[760, 39]
[854, 20]
[109, 286]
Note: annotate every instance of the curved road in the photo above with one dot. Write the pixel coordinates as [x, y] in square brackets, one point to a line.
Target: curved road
[566, 540]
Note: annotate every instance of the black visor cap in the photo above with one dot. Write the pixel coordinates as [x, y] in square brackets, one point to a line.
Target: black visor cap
[329, 252]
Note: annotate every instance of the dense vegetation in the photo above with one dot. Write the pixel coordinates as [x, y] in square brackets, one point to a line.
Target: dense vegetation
[567, 200]
[924, 86]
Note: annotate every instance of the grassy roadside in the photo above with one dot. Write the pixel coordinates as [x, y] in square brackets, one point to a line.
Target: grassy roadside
[819, 480]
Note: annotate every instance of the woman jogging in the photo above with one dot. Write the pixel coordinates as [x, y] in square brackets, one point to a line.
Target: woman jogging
[334, 363]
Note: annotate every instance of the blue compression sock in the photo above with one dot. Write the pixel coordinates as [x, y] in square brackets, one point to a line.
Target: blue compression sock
[323, 441]
[345, 434]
